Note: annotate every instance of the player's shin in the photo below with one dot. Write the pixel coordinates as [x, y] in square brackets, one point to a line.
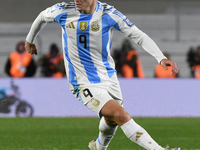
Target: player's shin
[138, 135]
[106, 134]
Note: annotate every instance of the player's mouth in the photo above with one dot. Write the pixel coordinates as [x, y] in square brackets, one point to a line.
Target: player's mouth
[78, 5]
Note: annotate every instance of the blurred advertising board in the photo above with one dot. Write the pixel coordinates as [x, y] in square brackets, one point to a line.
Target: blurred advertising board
[49, 97]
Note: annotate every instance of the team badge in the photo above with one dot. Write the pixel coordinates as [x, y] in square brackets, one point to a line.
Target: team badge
[95, 102]
[83, 25]
[95, 26]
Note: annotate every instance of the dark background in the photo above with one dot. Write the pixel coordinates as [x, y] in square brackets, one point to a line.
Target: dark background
[26, 10]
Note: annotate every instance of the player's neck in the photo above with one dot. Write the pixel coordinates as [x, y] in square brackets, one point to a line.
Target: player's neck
[90, 9]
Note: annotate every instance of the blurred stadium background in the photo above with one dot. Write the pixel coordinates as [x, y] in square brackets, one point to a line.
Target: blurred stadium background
[173, 24]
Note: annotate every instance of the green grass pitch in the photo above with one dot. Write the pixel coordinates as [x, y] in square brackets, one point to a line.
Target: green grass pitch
[75, 133]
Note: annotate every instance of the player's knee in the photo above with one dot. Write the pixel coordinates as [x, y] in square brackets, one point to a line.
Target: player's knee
[110, 122]
[121, 116]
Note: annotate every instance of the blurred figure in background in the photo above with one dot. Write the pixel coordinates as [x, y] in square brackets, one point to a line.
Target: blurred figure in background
[127, 61]
[52, 63]
[131, 64]
[117, 57]
[20, 63]
[160, 71]
[193, 59]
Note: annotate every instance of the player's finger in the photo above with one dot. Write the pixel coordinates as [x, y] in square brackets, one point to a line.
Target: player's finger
[164, 65]
[174, 68]
[29, 51]
[35, 49]
[35, 52]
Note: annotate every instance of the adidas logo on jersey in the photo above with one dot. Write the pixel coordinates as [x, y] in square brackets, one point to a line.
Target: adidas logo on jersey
[71, 26]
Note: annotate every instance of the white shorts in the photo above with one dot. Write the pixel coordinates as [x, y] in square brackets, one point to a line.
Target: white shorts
[94, 96]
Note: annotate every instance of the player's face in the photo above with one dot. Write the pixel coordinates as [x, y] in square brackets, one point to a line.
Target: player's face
[85, 6]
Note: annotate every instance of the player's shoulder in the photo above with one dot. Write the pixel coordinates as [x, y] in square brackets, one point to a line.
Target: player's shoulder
[111, 10]
[105, 7]
[114, 13]
[63, 6]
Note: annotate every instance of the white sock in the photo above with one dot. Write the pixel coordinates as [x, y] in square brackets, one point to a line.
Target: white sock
[106, 134]
[138, 135]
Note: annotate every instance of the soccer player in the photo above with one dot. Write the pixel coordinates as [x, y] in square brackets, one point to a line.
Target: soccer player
[87, 30]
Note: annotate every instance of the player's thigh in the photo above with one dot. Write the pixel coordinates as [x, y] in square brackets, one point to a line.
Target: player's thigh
[94, 98]
[114, 89]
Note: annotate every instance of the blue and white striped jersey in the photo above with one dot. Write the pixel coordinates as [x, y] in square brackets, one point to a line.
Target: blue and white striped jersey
[87, 39]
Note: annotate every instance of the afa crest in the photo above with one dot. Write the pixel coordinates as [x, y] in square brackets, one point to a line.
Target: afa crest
[95, 26]
[95, 102]
[83, 25]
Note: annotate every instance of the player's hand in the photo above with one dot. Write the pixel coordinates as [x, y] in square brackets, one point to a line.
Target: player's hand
[31, 48]
[166, 62]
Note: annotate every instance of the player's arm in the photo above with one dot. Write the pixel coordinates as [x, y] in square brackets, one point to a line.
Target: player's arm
[39, 23]
[150, 46]
[146, 42]
[36, 27]
[123, 24]
[139, 37]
